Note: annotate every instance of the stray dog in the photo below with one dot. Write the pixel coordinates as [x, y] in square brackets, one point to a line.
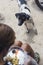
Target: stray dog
[20, 55]
[25, 15]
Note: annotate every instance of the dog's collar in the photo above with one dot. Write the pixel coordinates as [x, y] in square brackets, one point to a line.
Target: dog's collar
[16, 48]
[27, 9]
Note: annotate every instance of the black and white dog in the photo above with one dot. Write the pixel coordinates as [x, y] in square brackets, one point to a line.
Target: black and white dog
[25, 15]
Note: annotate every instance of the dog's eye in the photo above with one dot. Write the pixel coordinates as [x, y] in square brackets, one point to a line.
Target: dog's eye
[24, 18]
[13, 51]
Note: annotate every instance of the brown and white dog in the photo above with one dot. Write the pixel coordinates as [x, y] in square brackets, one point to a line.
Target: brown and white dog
[20, 54]
[24, 16]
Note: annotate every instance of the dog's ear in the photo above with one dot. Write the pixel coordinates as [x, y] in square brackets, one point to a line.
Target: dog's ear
[27, 17]
[17, 15]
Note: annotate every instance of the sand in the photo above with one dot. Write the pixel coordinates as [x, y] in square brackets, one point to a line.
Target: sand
[8, 8]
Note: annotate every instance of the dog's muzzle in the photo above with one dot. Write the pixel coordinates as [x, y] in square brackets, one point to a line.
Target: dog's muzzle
[20, 22]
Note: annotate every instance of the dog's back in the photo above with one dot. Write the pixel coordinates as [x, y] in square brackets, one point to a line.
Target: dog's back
[21, 2]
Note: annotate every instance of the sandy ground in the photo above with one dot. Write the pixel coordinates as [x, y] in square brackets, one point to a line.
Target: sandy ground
[8, 8]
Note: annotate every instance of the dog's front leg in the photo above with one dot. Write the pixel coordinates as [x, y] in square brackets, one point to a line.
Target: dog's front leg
[28, 30]
[34, 28]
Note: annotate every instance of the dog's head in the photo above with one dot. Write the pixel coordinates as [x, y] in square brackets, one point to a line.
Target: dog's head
[22, 17]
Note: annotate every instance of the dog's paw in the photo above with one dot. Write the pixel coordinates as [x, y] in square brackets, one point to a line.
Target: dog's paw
[28, 31]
